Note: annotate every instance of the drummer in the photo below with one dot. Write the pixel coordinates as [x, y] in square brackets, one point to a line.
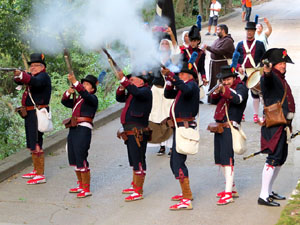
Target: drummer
[248, 63]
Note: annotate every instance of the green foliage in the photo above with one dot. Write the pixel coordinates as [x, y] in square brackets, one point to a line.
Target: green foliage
[11, 126]
[12, 132]
[291, 213]
[12, 15]
[184, 21]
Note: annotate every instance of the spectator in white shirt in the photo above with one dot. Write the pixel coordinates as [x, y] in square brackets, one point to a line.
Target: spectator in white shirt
[215, 8]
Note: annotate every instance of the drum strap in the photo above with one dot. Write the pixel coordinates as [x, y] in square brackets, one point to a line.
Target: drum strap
[248, 54]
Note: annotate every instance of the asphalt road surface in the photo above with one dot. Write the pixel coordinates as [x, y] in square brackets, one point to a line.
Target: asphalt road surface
[51, 203]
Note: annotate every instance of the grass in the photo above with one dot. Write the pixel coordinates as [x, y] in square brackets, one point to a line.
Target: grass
[290, 215]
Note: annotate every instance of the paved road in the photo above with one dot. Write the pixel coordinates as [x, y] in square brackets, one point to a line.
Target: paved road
[52, 204]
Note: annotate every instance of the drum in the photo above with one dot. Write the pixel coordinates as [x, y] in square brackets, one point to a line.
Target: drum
[253, 81]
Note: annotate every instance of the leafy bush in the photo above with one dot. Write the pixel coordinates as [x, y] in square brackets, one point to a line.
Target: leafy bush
[12, 132]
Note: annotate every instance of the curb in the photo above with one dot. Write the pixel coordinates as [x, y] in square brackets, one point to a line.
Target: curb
[22, 159]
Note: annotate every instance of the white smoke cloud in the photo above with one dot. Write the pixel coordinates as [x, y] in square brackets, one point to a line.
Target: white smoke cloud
[93, 24]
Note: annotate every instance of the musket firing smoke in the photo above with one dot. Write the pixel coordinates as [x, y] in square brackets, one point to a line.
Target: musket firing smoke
[93, 24]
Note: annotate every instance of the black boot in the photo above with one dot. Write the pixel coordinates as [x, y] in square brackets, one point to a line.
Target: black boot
[161, 151]
[276, 196]
[269, 202]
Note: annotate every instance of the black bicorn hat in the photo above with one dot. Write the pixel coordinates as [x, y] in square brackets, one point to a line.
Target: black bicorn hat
[37, 58]
[277, 55]
[189, 68]
[250, 26]
[194, 33]
[226, 71]
[92, 80]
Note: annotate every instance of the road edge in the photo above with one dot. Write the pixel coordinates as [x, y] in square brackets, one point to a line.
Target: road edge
[22, 159]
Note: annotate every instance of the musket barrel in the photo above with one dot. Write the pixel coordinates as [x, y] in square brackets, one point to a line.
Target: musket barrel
[8, 69]
[213, 89]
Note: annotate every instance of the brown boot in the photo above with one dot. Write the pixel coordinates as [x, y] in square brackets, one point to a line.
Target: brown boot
[40, 167]
[86, 179]
[138, 193]
[130, 190]
[185, 187]
[185, 202]
[79, 182]
[39, 178]
[31, 174]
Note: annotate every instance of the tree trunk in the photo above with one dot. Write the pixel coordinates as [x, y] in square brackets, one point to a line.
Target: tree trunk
[200, 6]
[191, 8]
[180, 6]
[228, 6]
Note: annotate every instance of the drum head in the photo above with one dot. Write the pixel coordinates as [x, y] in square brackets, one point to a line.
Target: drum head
[253, 79]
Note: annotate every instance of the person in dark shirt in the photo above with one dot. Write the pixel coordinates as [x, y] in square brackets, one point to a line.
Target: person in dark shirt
[136, 94]
[233, 95]
[84, 108]
[38, 85]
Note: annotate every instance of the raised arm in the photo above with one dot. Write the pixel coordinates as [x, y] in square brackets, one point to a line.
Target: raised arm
[269, 30]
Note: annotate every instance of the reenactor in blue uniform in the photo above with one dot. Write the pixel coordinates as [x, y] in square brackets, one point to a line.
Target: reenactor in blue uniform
[199, 68]
[275, 89]
[251, 52]
[232, 94]
[136, 94]
[38, 85]
[84, 108]
[184, 89]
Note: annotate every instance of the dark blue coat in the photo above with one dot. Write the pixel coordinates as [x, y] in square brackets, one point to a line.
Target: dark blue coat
[186, 97]
[200, 61]
[237, 102]
[138, 104]
[40, 88]
[272, 87]
[86, 104]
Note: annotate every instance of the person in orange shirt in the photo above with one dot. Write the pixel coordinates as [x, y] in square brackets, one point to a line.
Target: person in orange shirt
[243, 10]
[248, 9]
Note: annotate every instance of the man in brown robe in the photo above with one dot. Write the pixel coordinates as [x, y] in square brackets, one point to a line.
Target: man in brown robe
[221, 51]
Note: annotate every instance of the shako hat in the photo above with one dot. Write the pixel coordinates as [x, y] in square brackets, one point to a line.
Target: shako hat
[92, 80]
[37, 58]
[277, 55]
[226, 71]
[194, 33]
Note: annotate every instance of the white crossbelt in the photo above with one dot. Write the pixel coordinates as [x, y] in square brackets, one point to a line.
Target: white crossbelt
[248, 54]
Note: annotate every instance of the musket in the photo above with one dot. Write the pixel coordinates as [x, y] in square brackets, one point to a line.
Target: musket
[295, 134]
[257, 153]
[214, 88]
[12, 69]
[70, 70]
[251, 155]
[9, 69]
[112, 62]
[25, 61]
[67, 59]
